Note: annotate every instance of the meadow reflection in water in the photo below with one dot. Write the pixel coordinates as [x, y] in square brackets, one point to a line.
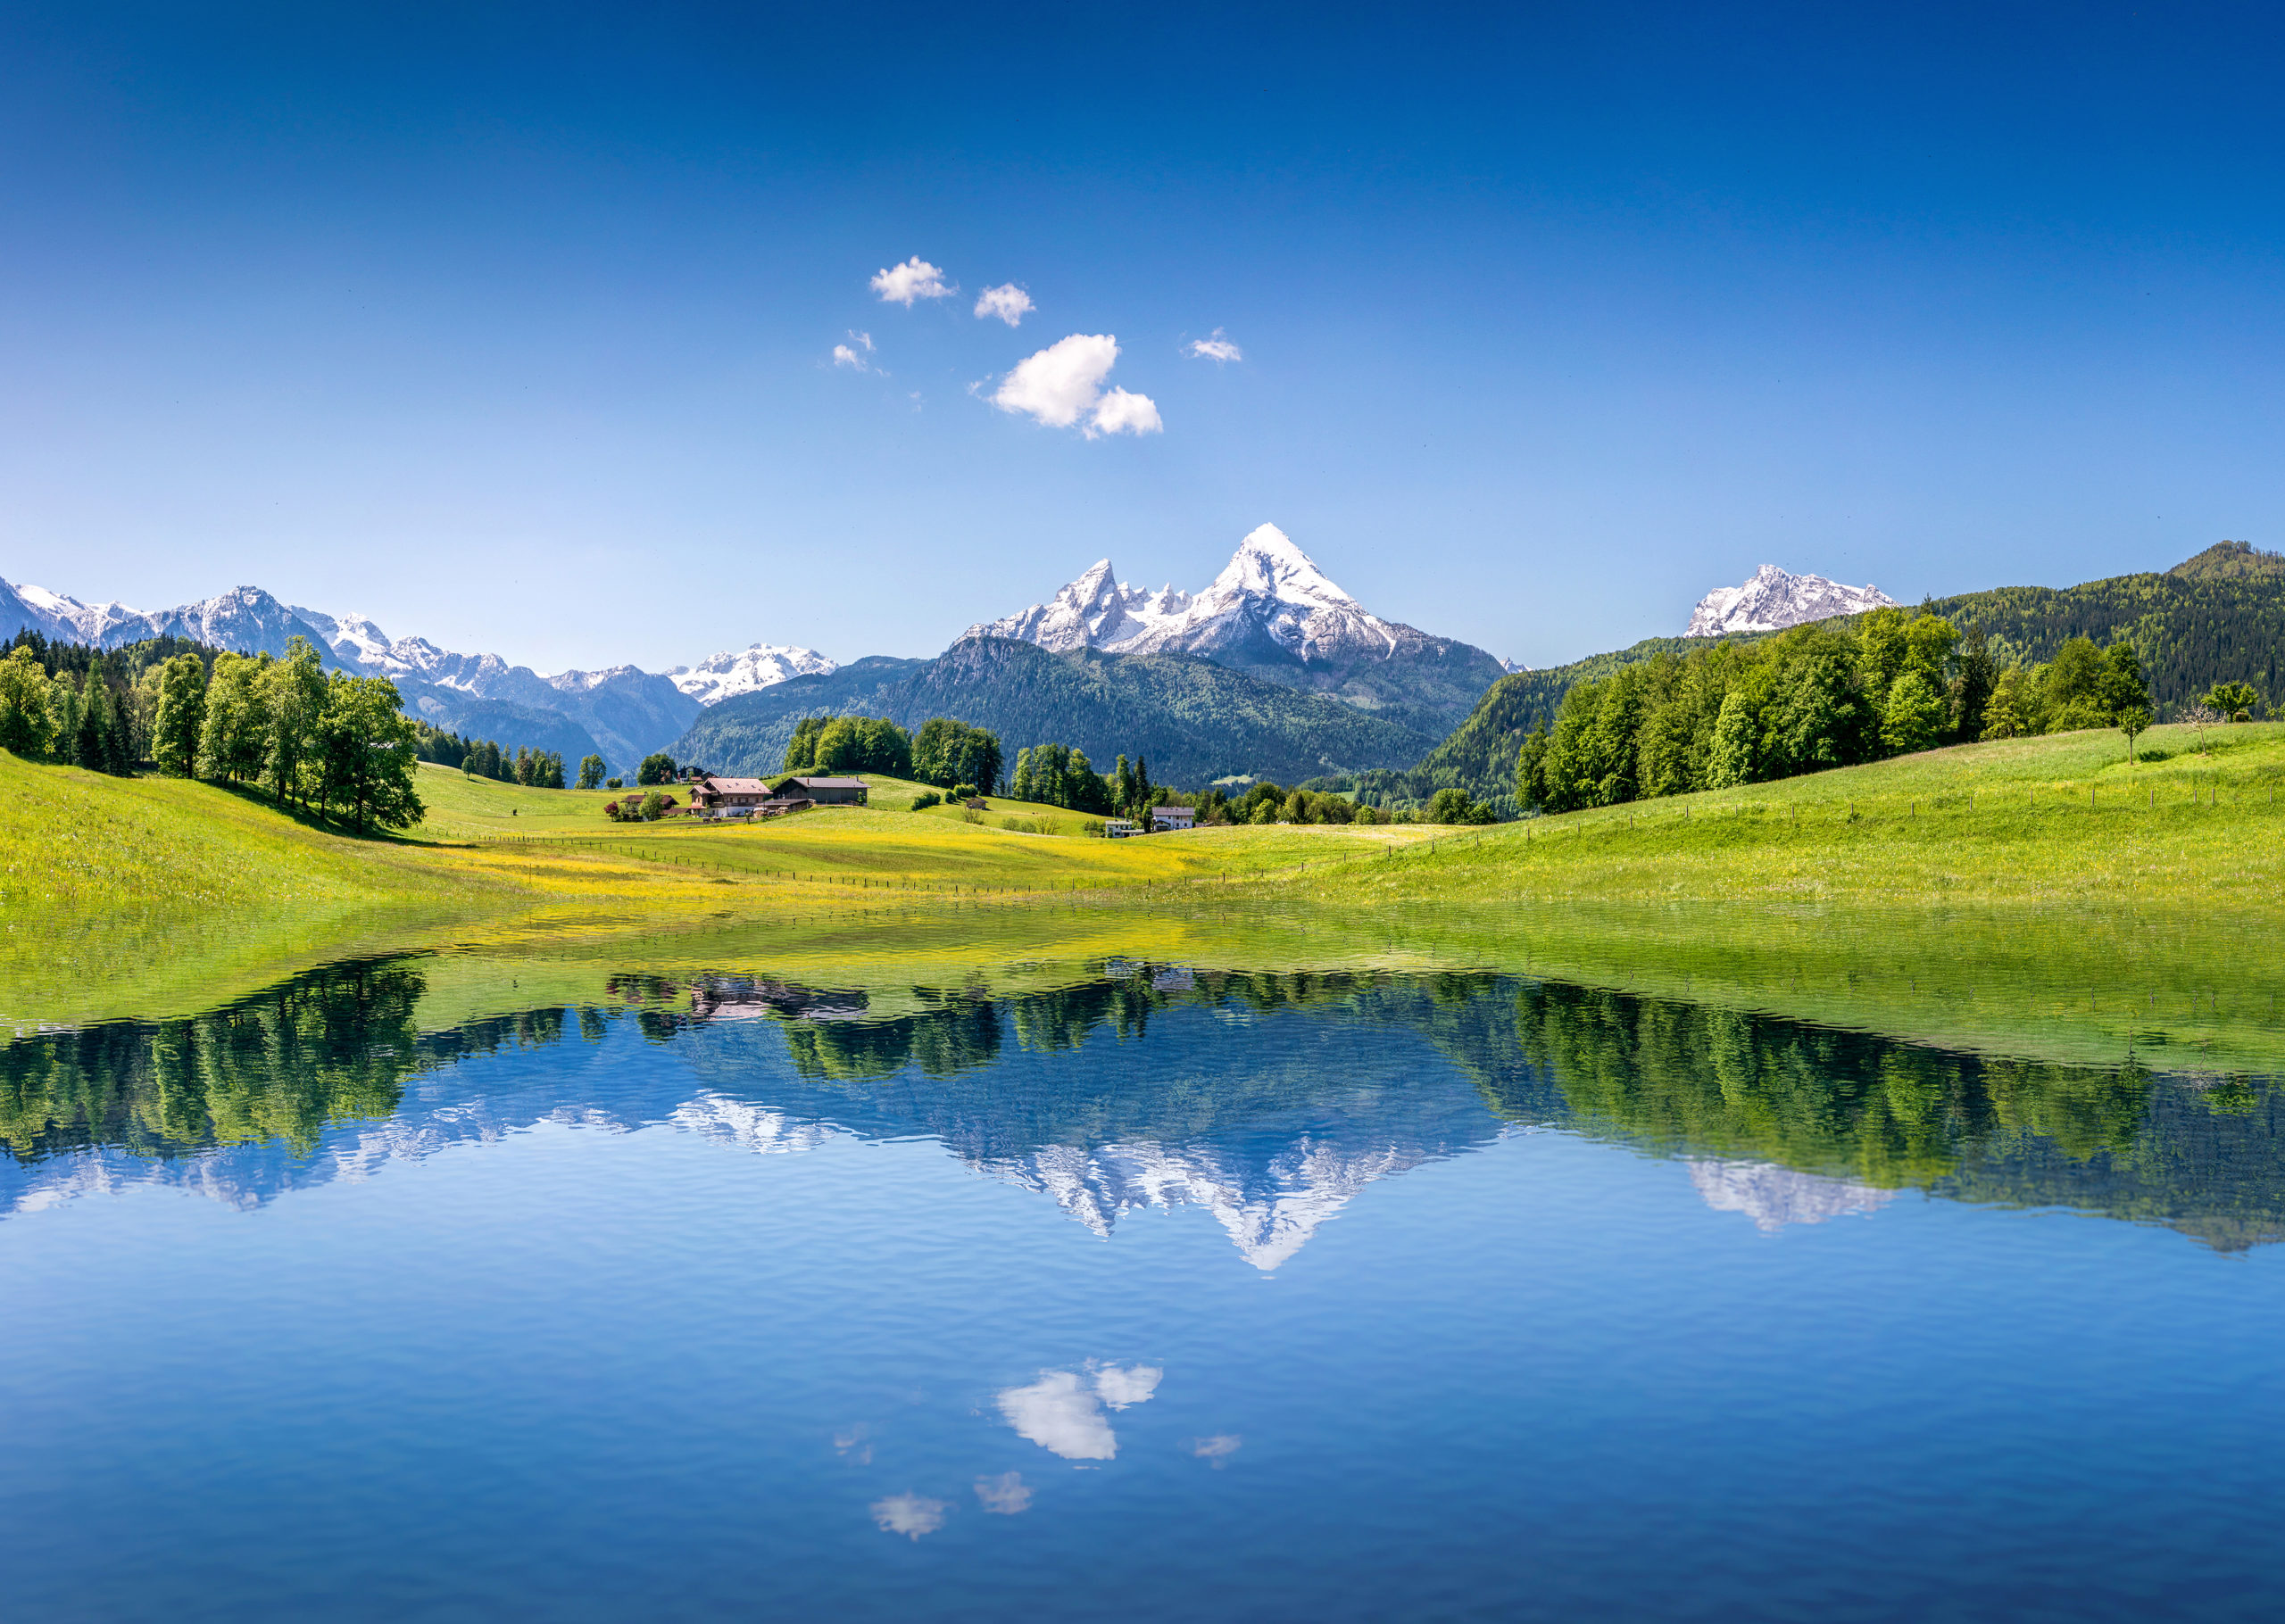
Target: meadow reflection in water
[1269, 1100]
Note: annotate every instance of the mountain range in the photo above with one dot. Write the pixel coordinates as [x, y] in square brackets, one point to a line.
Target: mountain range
[1274, 614]
[619, 713]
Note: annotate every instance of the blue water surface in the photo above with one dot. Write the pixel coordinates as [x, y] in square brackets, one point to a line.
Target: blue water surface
[1381, 1300]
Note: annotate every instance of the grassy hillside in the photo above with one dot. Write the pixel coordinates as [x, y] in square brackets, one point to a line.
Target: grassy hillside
[1194, 721]
[2033, 895]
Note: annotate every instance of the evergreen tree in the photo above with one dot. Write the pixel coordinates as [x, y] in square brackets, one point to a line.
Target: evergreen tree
[1971, 688]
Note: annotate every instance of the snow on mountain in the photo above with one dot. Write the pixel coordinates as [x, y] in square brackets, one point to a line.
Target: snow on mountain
[1773, 1197]
[246, 619]
[761, 665]
[1775, 598]
[354, 638]
[1269, 589]
[68, 617]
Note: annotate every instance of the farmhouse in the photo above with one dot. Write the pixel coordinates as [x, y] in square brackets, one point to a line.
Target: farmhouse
[823, 792]
[712, 794]
[1174, 818]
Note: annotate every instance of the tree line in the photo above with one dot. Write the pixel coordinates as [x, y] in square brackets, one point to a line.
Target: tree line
[945, 752]
[284, 724]
[487, 759]
[1830, 694]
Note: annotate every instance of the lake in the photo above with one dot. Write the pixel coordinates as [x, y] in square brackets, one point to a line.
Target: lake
[1124, 1288]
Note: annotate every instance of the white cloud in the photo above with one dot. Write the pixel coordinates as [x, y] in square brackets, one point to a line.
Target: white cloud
[908, 1514]
[915, 278]
[1216, 349]
[1007, 301]
[1216, 1449]
[1132, 1385]
[1063, 384]
[1005, 1493]
[844, 356]
[1120, 412]
[1061, 1416]
[1060, 383]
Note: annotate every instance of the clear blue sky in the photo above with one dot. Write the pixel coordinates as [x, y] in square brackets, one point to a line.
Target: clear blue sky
[515, 328]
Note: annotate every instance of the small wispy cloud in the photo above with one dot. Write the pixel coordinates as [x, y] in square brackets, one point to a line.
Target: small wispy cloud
[1007, 301]
[1063, 384]
[854, 358]
[915, 278]
[1215, 348]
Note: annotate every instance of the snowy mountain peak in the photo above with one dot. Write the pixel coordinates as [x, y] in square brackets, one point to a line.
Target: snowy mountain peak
[1270, 596]
[758, 666]
[1773, 599]
[1268, 564]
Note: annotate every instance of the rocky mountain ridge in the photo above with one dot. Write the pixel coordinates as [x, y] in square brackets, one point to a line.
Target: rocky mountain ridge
[1772, 598]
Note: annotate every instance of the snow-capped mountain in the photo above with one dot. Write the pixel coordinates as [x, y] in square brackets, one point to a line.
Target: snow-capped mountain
[1269, 589]
[1274, 612]
[1775, 598]
[736, 671]
[246, 619]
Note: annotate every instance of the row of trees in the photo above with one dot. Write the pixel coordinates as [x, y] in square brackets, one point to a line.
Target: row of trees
[950, 754]
[1816, 697]
[287, 726]
[849, 745]
[485, 758]
[284, 724]
[91, 706]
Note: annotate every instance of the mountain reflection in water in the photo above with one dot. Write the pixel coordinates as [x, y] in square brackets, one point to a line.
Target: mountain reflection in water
[1270, 1100]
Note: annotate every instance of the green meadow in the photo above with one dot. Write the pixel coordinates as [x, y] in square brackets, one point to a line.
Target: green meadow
[2038, 895]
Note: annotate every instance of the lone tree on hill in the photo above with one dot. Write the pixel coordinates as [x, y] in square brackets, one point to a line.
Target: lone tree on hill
[2121, 692]
[2234, 700]
[658, 768]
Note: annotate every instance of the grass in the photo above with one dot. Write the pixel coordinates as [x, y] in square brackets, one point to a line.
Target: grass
[2038, 895]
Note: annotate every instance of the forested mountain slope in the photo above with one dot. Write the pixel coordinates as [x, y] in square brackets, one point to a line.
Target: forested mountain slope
[2218, 616]
[1194, 719]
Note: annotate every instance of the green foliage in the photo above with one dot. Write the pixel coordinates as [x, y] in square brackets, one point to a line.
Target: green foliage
[1913, 719]
[2235, 700]
[181, 715]
[925, 799]
[946, 753]
[2217, 617]
[235, 741]
[23, 703]
[1057, 776]
[657, 769]
[294, 694]
[591, 772]
[362, 753]
[1451, 805]
[2231, 561]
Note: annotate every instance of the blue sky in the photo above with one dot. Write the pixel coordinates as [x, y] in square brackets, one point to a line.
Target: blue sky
[515, 328]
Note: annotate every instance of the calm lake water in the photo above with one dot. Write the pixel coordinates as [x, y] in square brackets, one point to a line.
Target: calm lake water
[1154, 1292]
